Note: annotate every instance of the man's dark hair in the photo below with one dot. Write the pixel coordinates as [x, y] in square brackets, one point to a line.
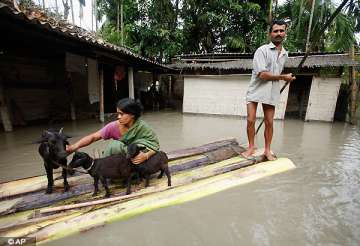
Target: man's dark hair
[277, 22]
[130, 106]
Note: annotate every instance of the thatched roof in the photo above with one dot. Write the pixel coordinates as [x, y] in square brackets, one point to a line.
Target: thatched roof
[37, 17]
[313, 61]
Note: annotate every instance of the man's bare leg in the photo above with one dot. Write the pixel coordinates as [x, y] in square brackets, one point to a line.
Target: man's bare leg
[269, 111]
[251, 119]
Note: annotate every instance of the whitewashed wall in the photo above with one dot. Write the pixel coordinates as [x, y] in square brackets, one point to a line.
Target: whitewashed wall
[223, 95]
[322, 100]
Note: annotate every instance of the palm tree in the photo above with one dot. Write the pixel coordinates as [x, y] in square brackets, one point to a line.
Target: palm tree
[339, 35]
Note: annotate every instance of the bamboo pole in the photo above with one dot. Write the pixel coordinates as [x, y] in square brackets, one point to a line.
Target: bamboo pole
[96, 17]
[270, 15]
[30, 220]
[101, 201]
[56, 7]
[354, 88]
[131, 82]
[24, 186]
[118, 16]
[92, 15]
[122, 21]
[72, 12]
[101, 118]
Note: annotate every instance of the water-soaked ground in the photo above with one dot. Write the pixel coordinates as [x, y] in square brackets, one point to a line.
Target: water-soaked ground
[316, 204]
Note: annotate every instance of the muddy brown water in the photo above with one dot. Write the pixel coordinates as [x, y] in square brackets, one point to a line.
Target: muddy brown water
[318, 203]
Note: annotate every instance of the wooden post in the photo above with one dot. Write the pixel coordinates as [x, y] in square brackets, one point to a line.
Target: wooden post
[270, 11]
[72, 111]
[92, 15]
[118, 17]
[95, 13]
[131, 82]
[170, 86]
[101, 118]
[56, 7]
[5, 116]
[72, 12]
[70, 92]
[354, 89]
[122, 22]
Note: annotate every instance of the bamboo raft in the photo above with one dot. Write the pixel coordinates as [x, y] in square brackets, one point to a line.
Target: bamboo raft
[196, 172]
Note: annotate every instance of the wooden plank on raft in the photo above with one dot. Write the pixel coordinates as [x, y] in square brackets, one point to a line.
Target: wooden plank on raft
[83, 184]
[36, 183]
[27, 185]
[177, 195]
[197, 174]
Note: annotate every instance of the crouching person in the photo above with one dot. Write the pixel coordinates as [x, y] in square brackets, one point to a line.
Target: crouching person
[127, 129]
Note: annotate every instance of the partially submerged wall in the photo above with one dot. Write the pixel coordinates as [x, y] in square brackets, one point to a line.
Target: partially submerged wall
[222, 95]
[322, 100]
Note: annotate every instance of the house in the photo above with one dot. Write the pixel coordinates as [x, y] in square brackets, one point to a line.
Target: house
[52, 70]
[217, 84]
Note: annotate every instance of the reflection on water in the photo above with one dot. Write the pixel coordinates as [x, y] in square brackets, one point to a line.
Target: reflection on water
[316, 204]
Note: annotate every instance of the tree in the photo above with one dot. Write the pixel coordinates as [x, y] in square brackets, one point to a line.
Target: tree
[339, 35]
[223, 26]
[150, 27]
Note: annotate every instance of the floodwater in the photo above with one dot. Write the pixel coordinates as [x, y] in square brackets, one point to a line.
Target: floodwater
[318, 203]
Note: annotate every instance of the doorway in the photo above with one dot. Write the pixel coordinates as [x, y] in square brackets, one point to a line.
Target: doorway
[298, 97]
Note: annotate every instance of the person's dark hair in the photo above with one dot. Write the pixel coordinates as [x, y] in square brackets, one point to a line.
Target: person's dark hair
[130, 106]
[277, 22]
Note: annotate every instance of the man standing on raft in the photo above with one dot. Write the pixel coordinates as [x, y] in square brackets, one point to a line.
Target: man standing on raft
[264, 86]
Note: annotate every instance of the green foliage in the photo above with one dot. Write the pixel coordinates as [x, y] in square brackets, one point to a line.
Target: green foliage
[160, 29]
[112, 36]
[338, 37]
[163, 28]
[227, 26]
[149, 27]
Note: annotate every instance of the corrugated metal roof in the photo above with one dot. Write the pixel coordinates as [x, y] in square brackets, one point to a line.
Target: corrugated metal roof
[313, 61]
[67, 30]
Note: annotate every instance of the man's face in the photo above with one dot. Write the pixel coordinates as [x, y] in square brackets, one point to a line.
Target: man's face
[278, 33]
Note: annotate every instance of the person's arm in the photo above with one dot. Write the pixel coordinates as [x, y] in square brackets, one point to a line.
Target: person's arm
[85, 141]
[261, 69]
[268, 76]
[142, 156]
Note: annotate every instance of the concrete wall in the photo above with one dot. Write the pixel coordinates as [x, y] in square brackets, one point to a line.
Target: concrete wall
[322, 100]
[223, 95]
